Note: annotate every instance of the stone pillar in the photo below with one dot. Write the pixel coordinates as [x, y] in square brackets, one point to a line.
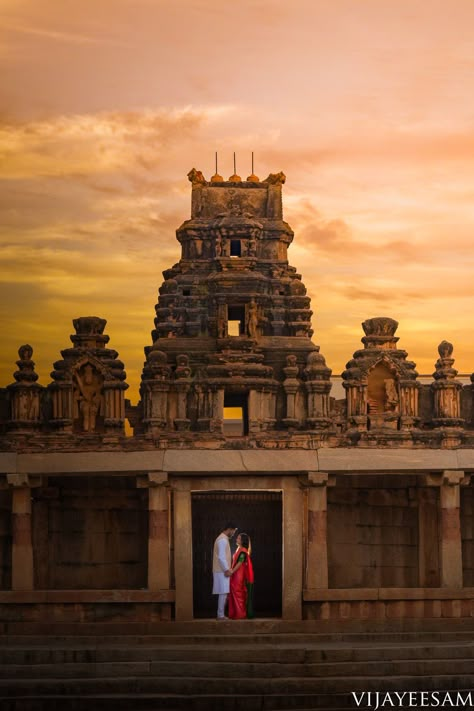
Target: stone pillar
[183, 555]
[291, 385]
[22, 543]
[450, 534]
[428, 537]
[317, 553]
[292, 554]
[217, 420]
[158, 530]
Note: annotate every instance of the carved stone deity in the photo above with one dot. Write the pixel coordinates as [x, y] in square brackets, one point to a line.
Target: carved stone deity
[89, 397]
[391, 395]
[252, 319]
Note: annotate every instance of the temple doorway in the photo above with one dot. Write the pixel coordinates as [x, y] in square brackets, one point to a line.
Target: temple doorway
[258, 513]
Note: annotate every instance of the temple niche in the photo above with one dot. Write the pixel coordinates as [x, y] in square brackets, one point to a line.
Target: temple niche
[87, 395]
[381, 384]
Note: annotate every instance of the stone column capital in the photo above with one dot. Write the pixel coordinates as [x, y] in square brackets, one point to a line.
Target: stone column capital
[320, 479]
[454, 477]
[22, 480]
[152, 479]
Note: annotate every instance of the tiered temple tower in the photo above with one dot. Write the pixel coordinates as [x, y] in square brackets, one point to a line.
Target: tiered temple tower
[233, 321]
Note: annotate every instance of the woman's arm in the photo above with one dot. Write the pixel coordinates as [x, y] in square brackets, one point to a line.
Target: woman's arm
[238, 564]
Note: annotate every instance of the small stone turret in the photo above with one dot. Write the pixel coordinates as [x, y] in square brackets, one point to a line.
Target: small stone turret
[381, 386]
[88, 388]
[447, 396]
[25, 394]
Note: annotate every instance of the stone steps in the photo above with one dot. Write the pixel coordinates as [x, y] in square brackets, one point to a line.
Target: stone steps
[232, 670]
[301, 654]
[228, 672]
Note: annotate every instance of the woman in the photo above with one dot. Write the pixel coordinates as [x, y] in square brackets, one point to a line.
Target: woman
[241, 581]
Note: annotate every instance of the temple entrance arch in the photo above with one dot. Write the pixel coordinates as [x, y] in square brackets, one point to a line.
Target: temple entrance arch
[258, 513]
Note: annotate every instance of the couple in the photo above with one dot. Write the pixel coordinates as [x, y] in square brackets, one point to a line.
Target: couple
[233, 576]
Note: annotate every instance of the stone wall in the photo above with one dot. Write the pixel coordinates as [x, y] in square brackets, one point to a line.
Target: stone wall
[467, 533]
[373, 532]
[90, 533]
[5, 540]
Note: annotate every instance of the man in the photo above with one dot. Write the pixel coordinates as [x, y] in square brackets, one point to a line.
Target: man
[221, 565]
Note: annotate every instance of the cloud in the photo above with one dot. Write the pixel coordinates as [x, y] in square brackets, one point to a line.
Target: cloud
[67, 37]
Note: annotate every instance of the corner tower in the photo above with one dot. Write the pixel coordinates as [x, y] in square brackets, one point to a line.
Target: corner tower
[233, 321]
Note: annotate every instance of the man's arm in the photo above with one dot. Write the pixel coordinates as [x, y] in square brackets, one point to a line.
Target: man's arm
[221, 554]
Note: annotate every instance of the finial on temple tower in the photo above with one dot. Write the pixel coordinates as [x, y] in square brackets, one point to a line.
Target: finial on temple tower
[235, 178]
[252, 178]
[216, 178]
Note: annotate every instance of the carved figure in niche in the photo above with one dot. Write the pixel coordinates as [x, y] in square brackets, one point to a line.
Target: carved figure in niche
[252, 319]
[291, 370]
[251, 247]
[182, 366]
[221, 326]
[391, 395]
[447, 404]
[28, 406]
[218, 245]
[89, 397]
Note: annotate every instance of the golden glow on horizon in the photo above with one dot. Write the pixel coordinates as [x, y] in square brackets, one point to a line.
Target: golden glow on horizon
[365, 106]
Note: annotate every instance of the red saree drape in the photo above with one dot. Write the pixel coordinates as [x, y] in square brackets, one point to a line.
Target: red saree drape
[241, 587]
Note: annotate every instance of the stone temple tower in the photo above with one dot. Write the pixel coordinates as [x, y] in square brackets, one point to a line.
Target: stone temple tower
[233, 323]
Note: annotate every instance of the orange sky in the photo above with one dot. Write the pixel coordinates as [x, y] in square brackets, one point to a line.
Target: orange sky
[366, 105]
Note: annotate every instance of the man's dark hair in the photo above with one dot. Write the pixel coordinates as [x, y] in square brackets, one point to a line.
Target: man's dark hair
[229, 524]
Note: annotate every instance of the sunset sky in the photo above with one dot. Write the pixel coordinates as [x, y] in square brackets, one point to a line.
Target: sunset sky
[366, 105]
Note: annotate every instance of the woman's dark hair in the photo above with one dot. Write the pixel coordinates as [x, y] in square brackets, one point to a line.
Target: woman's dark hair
[244, 540]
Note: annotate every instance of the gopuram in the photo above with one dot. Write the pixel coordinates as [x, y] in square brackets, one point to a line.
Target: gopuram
[358, 508]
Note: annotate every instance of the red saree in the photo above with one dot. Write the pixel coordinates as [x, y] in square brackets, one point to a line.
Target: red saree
[241, 587]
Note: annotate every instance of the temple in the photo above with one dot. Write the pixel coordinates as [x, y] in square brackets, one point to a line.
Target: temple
[359, 506]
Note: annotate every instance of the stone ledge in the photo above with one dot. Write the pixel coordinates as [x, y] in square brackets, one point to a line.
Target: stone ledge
[330, 459]
[349, 594]
[16, 597]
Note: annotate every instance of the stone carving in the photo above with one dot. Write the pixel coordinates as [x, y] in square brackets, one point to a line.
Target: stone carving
[252, 319]
[89, 396]
[182, 366]
[275, 178]
[89, 325]
[196, 177]
[28, 405]
[380, 326]
[251, 247]
[445, 349]
[391, 395]
[25, 352]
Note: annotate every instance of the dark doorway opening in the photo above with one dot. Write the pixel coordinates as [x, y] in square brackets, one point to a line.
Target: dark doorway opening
[258, 513]
[235, 248]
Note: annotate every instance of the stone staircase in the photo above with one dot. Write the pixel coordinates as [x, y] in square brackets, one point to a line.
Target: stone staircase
[228, 666]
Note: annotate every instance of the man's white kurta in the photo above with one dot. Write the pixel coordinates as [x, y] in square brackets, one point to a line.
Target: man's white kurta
[222, 558]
